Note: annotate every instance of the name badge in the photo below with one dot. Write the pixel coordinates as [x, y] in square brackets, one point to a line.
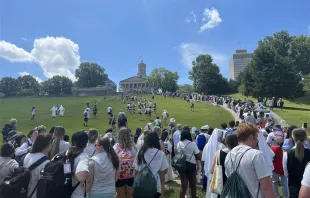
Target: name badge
[67, 168]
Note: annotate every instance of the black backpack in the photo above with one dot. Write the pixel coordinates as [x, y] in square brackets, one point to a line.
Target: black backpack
[15, 185]
[53, 182]
[179, 160]
[5, 131]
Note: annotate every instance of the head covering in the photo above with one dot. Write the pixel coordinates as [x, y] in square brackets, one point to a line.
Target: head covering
[179, 126]
[263, 147]
[205, 127]
[210, 149]
[80, 139]
[172, 120]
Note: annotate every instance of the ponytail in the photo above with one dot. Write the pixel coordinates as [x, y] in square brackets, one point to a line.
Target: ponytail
[74, 151]
[113, 157]
[300, 150]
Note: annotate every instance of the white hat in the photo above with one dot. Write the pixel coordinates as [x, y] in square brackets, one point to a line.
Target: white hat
[172, 120]
[205, 127]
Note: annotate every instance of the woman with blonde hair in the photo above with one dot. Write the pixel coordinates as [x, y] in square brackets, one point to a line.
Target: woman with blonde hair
[295, 161]
[58, 144]
[140, 141]
[126, 151]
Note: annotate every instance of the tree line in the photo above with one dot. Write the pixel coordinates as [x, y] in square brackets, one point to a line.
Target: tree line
[87, 75]
[280, 67]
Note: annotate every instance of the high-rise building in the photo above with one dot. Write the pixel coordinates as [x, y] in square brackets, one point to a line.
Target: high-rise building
[238, 62]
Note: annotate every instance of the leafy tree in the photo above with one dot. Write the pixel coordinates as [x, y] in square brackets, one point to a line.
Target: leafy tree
[28, 83]
[186, 88]
[8, 86]
[233, 86]
[90, 75]
[270, 72]
[306, 83]
[57, 85]
[161, 78]
[300, 53]
[206, 76]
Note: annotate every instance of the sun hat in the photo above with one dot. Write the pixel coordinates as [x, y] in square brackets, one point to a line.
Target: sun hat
[205, 127]
[172, 120]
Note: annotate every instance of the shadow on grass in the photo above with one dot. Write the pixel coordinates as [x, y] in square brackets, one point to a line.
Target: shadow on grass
[296, 108]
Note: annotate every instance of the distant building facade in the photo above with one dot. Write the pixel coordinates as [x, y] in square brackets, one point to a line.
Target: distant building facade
[238, 62]
[136, 83]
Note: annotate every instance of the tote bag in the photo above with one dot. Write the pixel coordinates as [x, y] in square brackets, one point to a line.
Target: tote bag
[216, 185]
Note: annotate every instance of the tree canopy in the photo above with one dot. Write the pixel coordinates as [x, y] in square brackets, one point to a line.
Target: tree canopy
[186, 88]
[161, 78]
[57, 85]
[28, 85]
[273, 70]
[206, 76]
[90, 75]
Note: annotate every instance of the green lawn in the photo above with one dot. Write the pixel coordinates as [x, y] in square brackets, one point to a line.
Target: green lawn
[295, 112]
[73, 120]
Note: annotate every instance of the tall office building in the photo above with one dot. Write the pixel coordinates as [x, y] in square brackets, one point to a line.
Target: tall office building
[238, 62]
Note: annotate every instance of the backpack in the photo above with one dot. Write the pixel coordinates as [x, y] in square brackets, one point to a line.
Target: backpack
[5, 131]
[145, 183]
[179, 160]
[54, 182]
[16, 183]
[126, 160]
[201, 141]
[235, 186]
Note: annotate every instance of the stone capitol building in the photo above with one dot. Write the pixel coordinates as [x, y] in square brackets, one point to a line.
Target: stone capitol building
[136, 84]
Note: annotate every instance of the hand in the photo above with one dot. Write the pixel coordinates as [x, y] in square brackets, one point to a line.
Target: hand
[198, 167]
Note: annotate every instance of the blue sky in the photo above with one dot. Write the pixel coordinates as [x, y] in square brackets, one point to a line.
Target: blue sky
[46, 38]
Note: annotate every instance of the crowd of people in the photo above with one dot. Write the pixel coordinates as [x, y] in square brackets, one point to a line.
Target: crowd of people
[241, 158]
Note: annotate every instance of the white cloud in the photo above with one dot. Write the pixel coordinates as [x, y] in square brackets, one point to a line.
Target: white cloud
[191, 18]
[23, 39]
[194, 16]
[26, 73]
[211, 19]
[189, 52]
[55, 55]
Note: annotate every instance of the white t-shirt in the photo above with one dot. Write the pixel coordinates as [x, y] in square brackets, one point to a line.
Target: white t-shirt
[165, 115]
[23, 149]
[104, 175]
[90, 149]
[35, 174]
[272, 135]
[253, 167]
[190, 150]
[158, 164]
[33, 112]
[176, 137]
[81, 163]
[306, 178]
[109, 109]
[7, 166]
[63, 146]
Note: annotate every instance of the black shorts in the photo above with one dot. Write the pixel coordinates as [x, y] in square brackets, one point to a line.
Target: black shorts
[192, 105]
[85, 119]
[122, 182]
[190, 168]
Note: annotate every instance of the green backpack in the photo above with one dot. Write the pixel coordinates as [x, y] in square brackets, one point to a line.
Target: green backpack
[235, 186]
[145, 183]
[179, 160]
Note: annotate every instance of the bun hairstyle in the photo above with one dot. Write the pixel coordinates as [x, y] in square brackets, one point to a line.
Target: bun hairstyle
[299, 137]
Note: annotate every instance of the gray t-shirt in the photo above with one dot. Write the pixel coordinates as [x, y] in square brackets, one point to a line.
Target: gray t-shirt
[7, 165]
[253, 167]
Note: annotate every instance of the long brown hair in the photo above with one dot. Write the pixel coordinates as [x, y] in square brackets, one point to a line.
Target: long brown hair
[79, 142]
[299, 137]
[59, 132]
[106, 144]
[124, 139]
[41, 143]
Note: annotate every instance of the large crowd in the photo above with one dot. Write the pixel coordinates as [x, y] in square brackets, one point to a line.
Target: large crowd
[250, 157]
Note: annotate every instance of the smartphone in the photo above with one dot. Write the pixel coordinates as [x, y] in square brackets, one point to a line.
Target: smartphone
[305, 125]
